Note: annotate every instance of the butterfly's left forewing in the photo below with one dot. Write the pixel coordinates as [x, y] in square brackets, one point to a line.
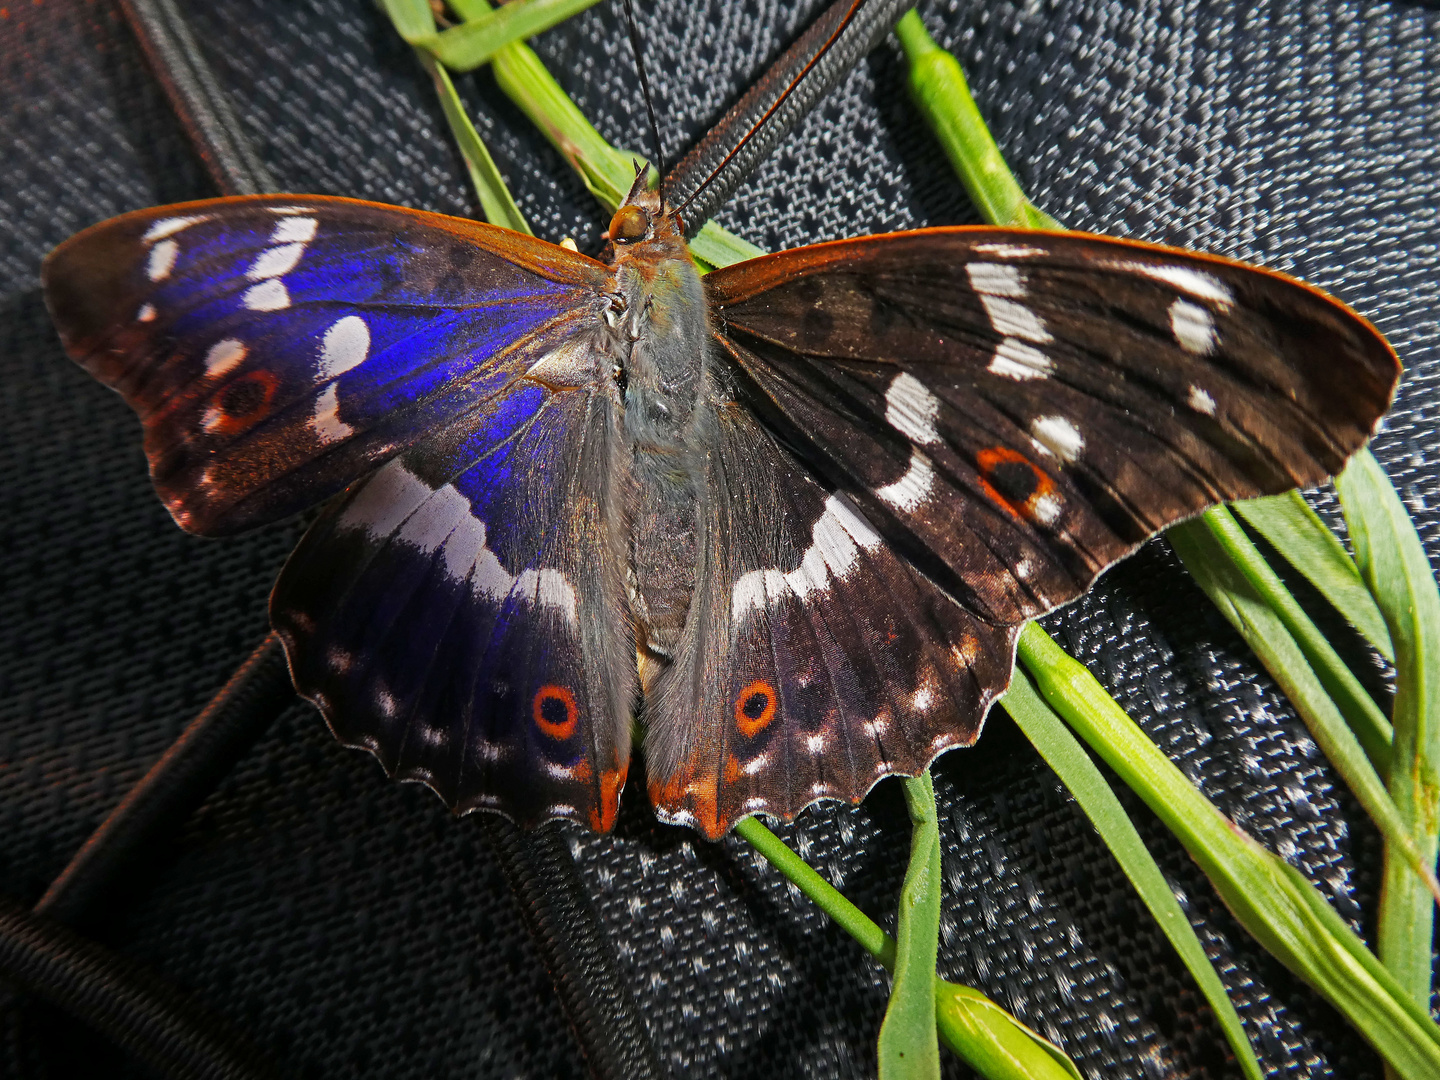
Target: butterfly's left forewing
[1017, 412]
[278, 347]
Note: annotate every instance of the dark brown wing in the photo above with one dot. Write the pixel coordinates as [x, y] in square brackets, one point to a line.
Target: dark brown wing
[958, 429]
[1015, 411]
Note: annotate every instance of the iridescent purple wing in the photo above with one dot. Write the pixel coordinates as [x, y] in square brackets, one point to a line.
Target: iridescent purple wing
[279, 347]
[460, 614]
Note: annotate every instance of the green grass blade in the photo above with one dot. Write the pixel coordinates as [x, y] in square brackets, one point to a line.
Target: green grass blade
[908, 1047]
[1274, 902]
[1393, 562]
[1297, 533]
[719, 248]
[970, 1024]
[1358, 708]
[1265, 632]
[939, 87]
[476, 40]
[496, 202]
[413, 20]
[1079, 774]
[826, 897]
[998, 1046]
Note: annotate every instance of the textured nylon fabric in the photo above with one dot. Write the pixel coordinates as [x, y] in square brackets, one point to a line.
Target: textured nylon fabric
[349, 925]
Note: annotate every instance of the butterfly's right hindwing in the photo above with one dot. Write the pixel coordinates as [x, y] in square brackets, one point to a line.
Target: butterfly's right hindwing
[460, 614]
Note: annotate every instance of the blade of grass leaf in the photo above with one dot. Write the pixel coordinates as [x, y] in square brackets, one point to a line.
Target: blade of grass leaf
[472, 43]
[1079, 774]
[939, 87]
[973, 1027]
[1356, 706]
[496, 202]
[1297, 533]
[908, 1047]
[1393, 562]
[1265, 632]
[413, 19]
[1271, 899]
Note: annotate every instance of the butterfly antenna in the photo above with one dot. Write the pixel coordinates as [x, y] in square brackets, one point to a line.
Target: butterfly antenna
[635, 46]
[805, 72]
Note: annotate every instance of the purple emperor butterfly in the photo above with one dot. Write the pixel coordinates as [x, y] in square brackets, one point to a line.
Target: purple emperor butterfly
[790, 516]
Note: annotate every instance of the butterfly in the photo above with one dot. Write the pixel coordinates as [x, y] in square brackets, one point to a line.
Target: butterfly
[787, 518]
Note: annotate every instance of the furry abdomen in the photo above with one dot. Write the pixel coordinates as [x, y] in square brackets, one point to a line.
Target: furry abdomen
[665, 380]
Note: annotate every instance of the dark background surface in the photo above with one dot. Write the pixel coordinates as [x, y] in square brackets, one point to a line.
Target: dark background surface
[350, 926]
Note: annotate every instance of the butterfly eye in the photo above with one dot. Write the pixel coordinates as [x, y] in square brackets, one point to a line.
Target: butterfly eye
[629, 224]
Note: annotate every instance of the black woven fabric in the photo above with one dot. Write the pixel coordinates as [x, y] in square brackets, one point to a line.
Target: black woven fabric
[350, 926]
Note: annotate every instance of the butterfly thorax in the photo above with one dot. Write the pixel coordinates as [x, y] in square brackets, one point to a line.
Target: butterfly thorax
[660, 344]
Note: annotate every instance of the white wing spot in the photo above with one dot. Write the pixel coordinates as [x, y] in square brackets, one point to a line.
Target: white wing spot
[1057, 436]
[170, 226]
[816, 743]
[346, 344]
[294, 230]
[391, 496]
[283, 210]
[1201, 401]
[162, 260]
[995, 279]
[442, 519]
[1046, 509]
[913, 488]
[1016, 360]
[1197, 283]
[326, 423]
[911, 409]
[146, 313]
[1193, 326]
[267, 296]
[274, 261]
[836, 537]
[1010, 318]
[224, 356]
[1009, 251]
[923, 699]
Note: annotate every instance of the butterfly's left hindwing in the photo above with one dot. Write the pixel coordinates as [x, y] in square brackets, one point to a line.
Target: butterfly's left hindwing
[276, 348]
[816, 661]
[460, 614]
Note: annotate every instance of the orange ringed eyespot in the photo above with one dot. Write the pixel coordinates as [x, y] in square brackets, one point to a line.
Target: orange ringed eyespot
[755, 708]
[1016, 483]
[555, 712]
[242, 403]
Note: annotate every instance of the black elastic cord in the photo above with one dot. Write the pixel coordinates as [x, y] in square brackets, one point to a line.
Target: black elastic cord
[576, 951]
[175, 786]
[196, 97]
[111, 994]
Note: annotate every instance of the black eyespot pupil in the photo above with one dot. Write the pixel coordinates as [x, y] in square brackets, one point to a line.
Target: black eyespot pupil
[242, 398]
[554, 711]
[1015, 480]
[755, 705]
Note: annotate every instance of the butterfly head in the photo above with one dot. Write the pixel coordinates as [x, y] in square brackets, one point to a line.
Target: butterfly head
[642, 217]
